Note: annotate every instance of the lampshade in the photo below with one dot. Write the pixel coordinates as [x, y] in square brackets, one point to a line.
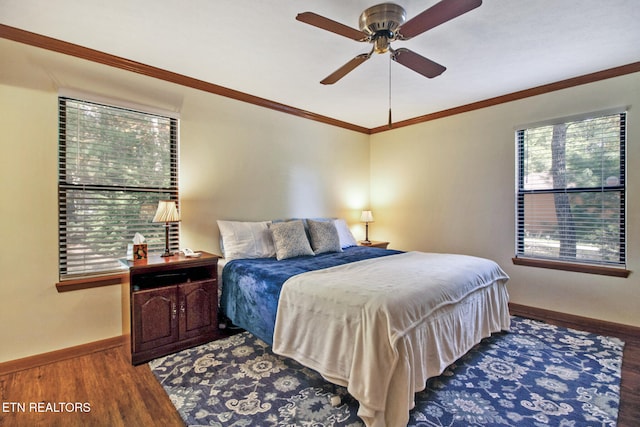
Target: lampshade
[367, 216]
[167, 212]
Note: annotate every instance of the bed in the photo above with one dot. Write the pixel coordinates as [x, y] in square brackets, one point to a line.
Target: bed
[379, 322]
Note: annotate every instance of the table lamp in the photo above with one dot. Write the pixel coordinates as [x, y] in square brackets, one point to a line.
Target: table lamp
[167, 212]
[366, 217]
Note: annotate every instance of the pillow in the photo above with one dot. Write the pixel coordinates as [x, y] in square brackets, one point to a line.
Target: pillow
[246, 239]
[345, 235]
[290, 239]
[324, 236]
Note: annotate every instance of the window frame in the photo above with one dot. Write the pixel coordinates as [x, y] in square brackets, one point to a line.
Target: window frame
[116, 275]
[584, 266]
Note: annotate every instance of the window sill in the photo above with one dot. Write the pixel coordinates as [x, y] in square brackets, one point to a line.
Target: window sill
[568, 266]
[92, 282]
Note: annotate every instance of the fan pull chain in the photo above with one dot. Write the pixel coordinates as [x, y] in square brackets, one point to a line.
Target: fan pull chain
[390, 121]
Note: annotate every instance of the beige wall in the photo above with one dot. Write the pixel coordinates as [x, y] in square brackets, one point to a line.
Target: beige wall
[263, 164]
[238, 161]
[448, 186]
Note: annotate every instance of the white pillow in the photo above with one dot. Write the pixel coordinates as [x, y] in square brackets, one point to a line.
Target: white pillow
[345, 235]
[246, 239]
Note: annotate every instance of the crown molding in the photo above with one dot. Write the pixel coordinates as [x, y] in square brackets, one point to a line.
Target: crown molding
[539, 90]
[55, 45]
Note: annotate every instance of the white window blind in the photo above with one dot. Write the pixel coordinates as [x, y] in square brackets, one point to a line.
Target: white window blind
[115, 164]
[571, 191]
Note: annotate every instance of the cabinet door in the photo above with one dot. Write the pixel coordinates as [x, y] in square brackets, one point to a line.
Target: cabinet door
[155, 318]
[198, 302]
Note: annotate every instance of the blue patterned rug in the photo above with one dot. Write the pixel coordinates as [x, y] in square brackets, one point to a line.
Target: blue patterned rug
[536, 375]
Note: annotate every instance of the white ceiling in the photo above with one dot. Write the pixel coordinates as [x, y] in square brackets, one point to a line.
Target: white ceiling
[258, 47]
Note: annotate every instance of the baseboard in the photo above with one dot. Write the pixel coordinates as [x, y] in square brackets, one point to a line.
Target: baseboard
[601, 327]
[58, 355]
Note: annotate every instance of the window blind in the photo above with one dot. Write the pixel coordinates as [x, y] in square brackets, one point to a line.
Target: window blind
[571, 191]
[115, 164]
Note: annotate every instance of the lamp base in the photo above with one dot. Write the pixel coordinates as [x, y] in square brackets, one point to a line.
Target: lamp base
[167, 252]
[366, 240]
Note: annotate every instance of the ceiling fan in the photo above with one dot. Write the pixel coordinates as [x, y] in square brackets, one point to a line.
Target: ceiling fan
[384, 23]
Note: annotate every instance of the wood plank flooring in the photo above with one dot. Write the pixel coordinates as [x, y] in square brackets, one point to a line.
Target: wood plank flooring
[629, 413]
[119, 394]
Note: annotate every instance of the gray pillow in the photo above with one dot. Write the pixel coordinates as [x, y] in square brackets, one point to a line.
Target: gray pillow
[324, 236]
[290, 239]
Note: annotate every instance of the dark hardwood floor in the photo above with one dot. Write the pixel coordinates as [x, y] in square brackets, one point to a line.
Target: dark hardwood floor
[119, 394]
[629, 414]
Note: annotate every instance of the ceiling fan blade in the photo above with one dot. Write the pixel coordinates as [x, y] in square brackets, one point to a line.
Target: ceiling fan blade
[345, 69]
[417, 63]
[331, 25]
[437, 14]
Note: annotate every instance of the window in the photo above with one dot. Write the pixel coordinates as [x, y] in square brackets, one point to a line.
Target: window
[571, 191]
[115, 164]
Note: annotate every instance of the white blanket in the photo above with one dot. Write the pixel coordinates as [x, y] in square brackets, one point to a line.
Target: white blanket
[364, 325]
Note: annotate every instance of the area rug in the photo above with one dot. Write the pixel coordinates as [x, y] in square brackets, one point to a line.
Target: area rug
[535, 375]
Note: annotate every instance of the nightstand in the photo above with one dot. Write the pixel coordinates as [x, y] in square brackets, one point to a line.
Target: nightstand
[374, 244]
[169, 304]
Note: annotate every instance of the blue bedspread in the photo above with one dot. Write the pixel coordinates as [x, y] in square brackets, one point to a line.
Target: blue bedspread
[251, 287]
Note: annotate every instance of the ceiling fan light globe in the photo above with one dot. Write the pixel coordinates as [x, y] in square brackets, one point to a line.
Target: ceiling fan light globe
[381, 44]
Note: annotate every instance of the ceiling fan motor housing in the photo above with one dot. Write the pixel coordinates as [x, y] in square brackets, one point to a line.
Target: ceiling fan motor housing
[380, 22]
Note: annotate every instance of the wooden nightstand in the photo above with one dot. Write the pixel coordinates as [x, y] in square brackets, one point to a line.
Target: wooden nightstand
[169, 304]
[375, 244]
